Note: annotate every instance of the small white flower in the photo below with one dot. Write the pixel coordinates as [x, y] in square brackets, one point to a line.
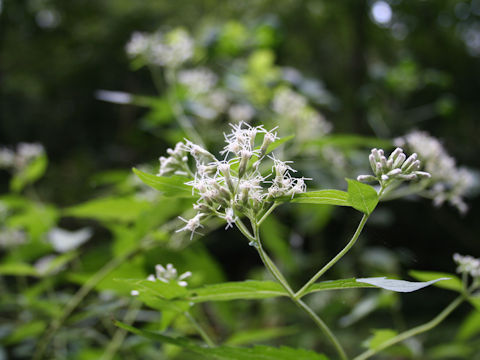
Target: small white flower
[467, 264]
[191, 225]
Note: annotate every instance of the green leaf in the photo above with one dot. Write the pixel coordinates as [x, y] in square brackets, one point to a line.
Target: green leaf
[251, 289]
[470, 326]
[228, 352]
[338, 285]
[25, 331]
[18, 269]
[475, 301]
[379, 337]
[259, 335]
[277, 143]
[110, 209]
[361, 196]
[168, 291]
[398, 285]
[454, 283]
[168, 186]
[31, 173]
[319, 197]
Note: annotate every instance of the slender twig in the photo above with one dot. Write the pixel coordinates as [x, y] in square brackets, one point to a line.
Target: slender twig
[281, 279]
[268, 212]
[208, 340]
[414, 331]
[332, 262]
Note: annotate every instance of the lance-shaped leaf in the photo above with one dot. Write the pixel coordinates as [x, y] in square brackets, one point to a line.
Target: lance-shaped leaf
[168, 185]
[229, 352]
[320, 197]
[454, 283]
[361, 196]
[251, 289]
[398, 285]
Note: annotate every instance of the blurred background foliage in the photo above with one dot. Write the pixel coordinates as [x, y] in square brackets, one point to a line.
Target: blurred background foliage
[381, 69]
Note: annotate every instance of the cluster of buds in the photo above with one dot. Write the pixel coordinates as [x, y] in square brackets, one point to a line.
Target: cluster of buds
[175, 163]
[396, 167]
[468, 264]
[235, 185]
[171, 49]
[166, 274]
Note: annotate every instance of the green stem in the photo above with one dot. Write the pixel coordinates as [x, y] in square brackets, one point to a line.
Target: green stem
[80, 295]
[281, 279]
[414, 331]
[120, 334]
[332, 262]
[200, 330]
[268, 212]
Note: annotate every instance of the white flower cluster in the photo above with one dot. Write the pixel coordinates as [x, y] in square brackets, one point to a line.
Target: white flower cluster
[241, 112]
[467, 264]
[171, 49]
[198, 81]
[11, 237]
[294, 109]
[17, 160]
[449, 182]
[235, 184]
[396, 167]
[166, 274]
[176, 163]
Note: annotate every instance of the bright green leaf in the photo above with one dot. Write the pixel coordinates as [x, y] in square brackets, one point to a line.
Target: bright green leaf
[319, 197]
[251, 289]
[361, 196]
[18, 269]
[31, 173]
[110, 209]
[259, 335]
[379, 337]
[168, 186]
[454, 283]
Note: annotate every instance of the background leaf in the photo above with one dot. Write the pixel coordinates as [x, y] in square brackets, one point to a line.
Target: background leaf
[361, 196]
[398, 285]
[168, 186]
[453, 283]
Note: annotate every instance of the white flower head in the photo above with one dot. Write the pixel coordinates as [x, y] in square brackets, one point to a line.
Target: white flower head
[191, 225]
[467, 264]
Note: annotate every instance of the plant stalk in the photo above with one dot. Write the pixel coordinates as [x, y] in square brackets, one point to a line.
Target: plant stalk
[332, 262]
[414, 331]
[281, 279]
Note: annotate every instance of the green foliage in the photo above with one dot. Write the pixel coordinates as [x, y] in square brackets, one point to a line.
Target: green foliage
[228, 352]
[453, 282]
[168, 186]
[362, 197]
[28, 175]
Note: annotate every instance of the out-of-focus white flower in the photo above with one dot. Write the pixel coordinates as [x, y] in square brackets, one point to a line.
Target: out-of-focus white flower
[467, 264]
[171, 49]
[7, 158]
[449, 182]
[11, 237]
[198, 81]
[293, 109]
[169, 273]
[241, 112]
[64, 240]
[117, 97]
[44, 265]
